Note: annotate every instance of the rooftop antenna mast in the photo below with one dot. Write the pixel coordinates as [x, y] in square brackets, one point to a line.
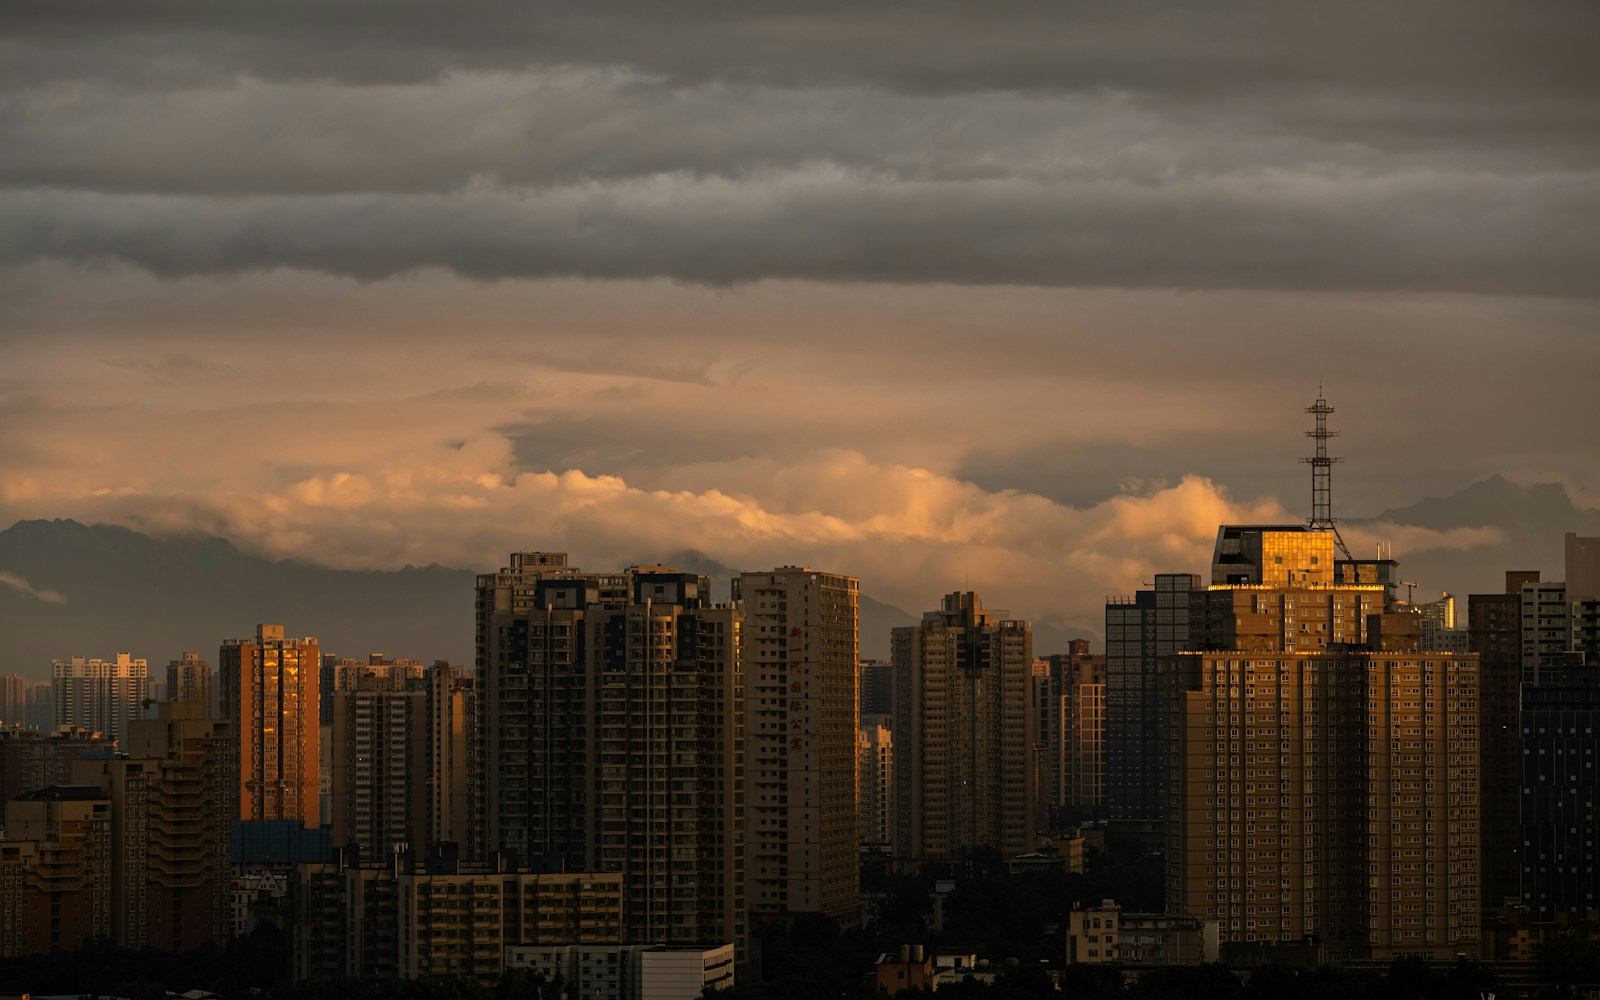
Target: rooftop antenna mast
[1322, 473]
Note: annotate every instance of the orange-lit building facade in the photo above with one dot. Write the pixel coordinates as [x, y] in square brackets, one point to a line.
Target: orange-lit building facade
[1327, 794]
[1323, 771]
[270, 693]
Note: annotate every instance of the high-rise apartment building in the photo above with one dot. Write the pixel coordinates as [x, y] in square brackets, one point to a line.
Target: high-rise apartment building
[877, 688]
[1560, 791]
[1546, 627]
[965, 734]
[455, 785]
[1560, 710]
[877, 784]
[1280, 587]
[402, 755]
[1439, 630]
[1045, 703]
[171, 798]
[1494, 633]
[613, 713]
[41, 705]
[1141, 630]
[100, 695]
[1070, 700]
[530, 704]
[1583, 565]
[31, 760]
[1328, 794]
[1323, 774]
[13, 701]
[801, 649]
[374, 673]
[380, 766]
[1583, 596]
[269, 688]
[189, 680]
[55, 870]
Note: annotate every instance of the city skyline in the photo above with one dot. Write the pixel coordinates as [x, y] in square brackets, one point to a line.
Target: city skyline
[1030, 314]
[989, 493]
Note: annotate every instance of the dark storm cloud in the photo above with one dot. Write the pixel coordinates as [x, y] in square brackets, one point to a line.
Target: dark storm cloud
[1474, 72]
[1425, 147]
[1159, 47]
[1084, 473]
[1527, 235]
[560, 126]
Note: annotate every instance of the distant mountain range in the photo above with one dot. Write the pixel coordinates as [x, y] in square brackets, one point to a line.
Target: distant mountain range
[156, 597]
[1531, 519]
[70, 589]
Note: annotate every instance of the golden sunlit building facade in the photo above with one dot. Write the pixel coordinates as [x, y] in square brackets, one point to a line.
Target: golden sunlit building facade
[270, 693]
[1319, 786]
[1327, 794]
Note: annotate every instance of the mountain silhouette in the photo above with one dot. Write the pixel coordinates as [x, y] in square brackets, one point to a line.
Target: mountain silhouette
[107, 589]
[156, 597]
[1532, 520]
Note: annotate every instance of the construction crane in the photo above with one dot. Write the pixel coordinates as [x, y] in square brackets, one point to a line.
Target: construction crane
[1411, 591]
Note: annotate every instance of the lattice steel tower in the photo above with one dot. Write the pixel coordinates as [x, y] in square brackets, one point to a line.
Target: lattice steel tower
[1322, 473]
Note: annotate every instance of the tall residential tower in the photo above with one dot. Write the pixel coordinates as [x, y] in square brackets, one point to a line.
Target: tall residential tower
[801, 646]
[100, 695]
[613, 721]
[270, 693]
[965, 735]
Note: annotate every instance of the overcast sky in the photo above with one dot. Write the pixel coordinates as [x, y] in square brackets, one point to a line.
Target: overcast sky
[938, 295]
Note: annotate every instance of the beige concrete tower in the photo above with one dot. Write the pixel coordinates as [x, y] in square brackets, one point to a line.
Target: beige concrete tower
[876, 755]
[801, 643]
[964, 733]
[100, 695]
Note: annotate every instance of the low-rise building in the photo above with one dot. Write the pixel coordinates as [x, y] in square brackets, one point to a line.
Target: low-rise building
[1092, 934]
[441, 916]
[629, 972]
[912, 968]
[1104, 934]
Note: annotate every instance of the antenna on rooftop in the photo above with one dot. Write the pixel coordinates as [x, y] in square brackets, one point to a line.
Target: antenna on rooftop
[1322, 473]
